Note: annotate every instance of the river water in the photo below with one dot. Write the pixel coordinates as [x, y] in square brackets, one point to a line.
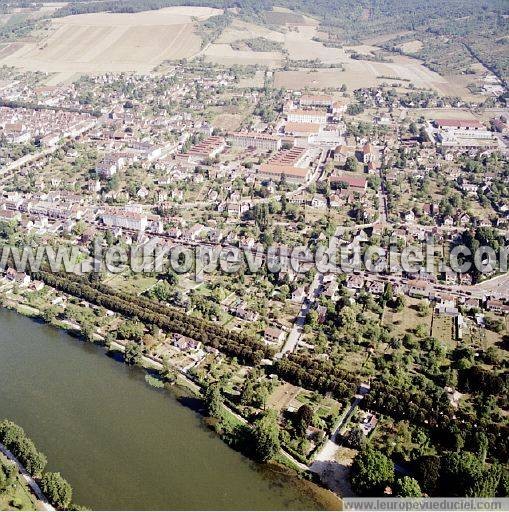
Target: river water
[122, 444]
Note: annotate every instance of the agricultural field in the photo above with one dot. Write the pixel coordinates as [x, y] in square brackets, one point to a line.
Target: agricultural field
[363, 73]
[96, 43]
[240, 30]
[226, 55]
[139, 42]
[298, 42]
[283, 16]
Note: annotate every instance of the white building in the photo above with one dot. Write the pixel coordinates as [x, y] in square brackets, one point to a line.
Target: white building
[113, 217]
[307, 116]
[257, 140]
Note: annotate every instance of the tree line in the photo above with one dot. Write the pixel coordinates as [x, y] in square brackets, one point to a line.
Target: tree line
[246, 348]
[321, 376]
[53, 485]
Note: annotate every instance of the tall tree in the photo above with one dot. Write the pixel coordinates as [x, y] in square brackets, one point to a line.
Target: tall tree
[214, 400]
[7, 476]
[266, 436]
[133, 353]
[371, 472]
[303, 419]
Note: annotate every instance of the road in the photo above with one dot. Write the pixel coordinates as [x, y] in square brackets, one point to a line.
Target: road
[497, 285]
[325, 464]
[28, 479]
[298, 325]
[383, 211]
[333, 473]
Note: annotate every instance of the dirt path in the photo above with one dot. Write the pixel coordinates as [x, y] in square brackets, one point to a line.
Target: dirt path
[332, 465]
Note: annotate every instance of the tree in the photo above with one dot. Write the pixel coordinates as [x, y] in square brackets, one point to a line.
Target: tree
[87, 331]
[312, 318]
[248, 393]
[7, 476]
[214, 400]
[356, 438]
[168, 372]
[503, 485]
[57, 490]
[131, 330]
[407, 487]
[423, 308]
[266, 436]
[261, 216]
[388, 294]
[15, 439]
[162, 291]
[428, 473]
[133, 353]
[303, 419]
[371, 472]
[351, 164]
[50, 314]
[461, 472]
[79, 228]
[489, 483]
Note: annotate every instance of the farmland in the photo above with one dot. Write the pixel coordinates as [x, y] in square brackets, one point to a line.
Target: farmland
[300, 42]
[139, 42]
[96, 43]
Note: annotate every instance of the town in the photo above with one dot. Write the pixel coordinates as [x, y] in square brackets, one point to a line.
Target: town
[397, 365]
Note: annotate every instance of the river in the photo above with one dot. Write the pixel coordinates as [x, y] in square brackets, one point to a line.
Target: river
[122, 444]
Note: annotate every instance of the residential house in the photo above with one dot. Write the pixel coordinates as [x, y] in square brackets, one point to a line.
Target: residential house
[273, 335]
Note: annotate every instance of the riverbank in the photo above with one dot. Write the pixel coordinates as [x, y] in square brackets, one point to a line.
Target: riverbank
[288, 457]
[325, 498]
[45, 504]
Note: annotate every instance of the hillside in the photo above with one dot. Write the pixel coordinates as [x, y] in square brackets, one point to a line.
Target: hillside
[453, 35]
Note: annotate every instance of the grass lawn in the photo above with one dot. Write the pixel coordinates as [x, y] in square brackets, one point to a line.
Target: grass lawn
[407, 319]
[18, 496]
[23, 309]
[135, 284]
[444, 330]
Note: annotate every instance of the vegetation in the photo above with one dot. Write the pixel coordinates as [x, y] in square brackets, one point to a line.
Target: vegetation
[15, 439]
[53, 485]
[57, 490]
[266, 436]
[372, 471]
[172, 319]
[259, 44]
[407, 487]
